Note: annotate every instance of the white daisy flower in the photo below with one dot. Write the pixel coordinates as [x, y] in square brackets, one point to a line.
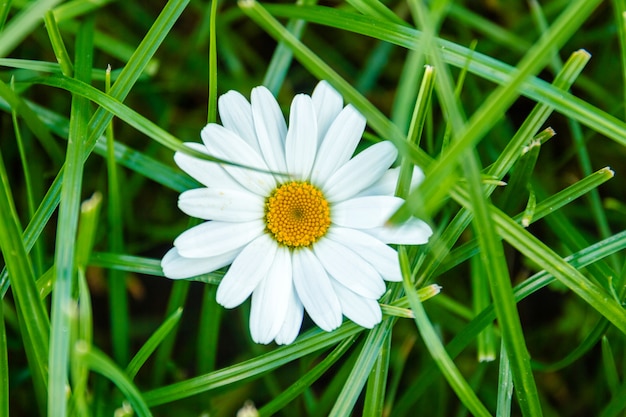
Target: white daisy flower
[306, 229]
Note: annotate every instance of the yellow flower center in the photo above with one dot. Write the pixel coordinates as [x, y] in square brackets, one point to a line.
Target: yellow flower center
[297, 214]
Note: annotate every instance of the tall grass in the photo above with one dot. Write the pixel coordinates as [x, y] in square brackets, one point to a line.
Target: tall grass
[514, 111]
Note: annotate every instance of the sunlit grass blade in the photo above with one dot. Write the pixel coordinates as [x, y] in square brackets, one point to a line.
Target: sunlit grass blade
[507, 158]
[490, 111]
[453, 54]
[481, 298]
[81, 314]
[416, 127]
[65, 248]
[58, 46]
[152, 343]
[377, 382]
[375, 341]
[118, 300]
[505, 385]
[33, 318]
[312, 341]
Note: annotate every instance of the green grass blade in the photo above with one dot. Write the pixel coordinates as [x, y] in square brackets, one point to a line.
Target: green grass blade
[453, 54]
[58, 46]
[4, 366]
[98, 362]
[505, 385]
[152, 343]
[377, 381]
[307, 343]
[435, 347]
[212, 107]
[494, 265]
[467, 335]
[33, 319]
[118, 301]
[307, 379]
[22, 24]
[368, 356]
[65, 250]
[209, 331]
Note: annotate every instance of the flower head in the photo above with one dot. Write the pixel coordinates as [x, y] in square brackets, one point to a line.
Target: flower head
[302, 223]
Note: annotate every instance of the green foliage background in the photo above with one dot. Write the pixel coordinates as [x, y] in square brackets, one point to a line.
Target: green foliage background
[514, 110]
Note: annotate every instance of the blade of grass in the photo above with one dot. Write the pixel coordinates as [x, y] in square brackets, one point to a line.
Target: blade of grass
[282, 56]
[453, 54]
[493, 261]
[467, 335]
[99, 362]
[128, 76]
[118, 300]
[505, 385]
[33, 122]
[65, 249]
[435, 347]
[377, 381]
[208, 334]
[81, 313]
[58, 46]
[4, 366]
[33, 319]
[5, 8]
[22, 24]
[374, 342]
[312, 341]
[30, 198]
[307, 379]
[152, 343]
[212, 108]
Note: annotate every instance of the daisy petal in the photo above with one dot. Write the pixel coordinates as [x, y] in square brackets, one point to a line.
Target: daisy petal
[271, 298]
[222, 204]
[386, 185]
[339, 144]
[328, 104]
[363, 311]
[382, 257]
[365, 212]
[301, 142]
[206, 172]
[216, 238]
[348, 268]
[360, 172]
[236, 115]
[293, 319]
[176, 267]
[315, 290]
[270, 127]
[247, 270]
[412, 232]
[224, 144]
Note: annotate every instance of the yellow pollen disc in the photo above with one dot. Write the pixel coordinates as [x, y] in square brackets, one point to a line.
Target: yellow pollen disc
[297, 214]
